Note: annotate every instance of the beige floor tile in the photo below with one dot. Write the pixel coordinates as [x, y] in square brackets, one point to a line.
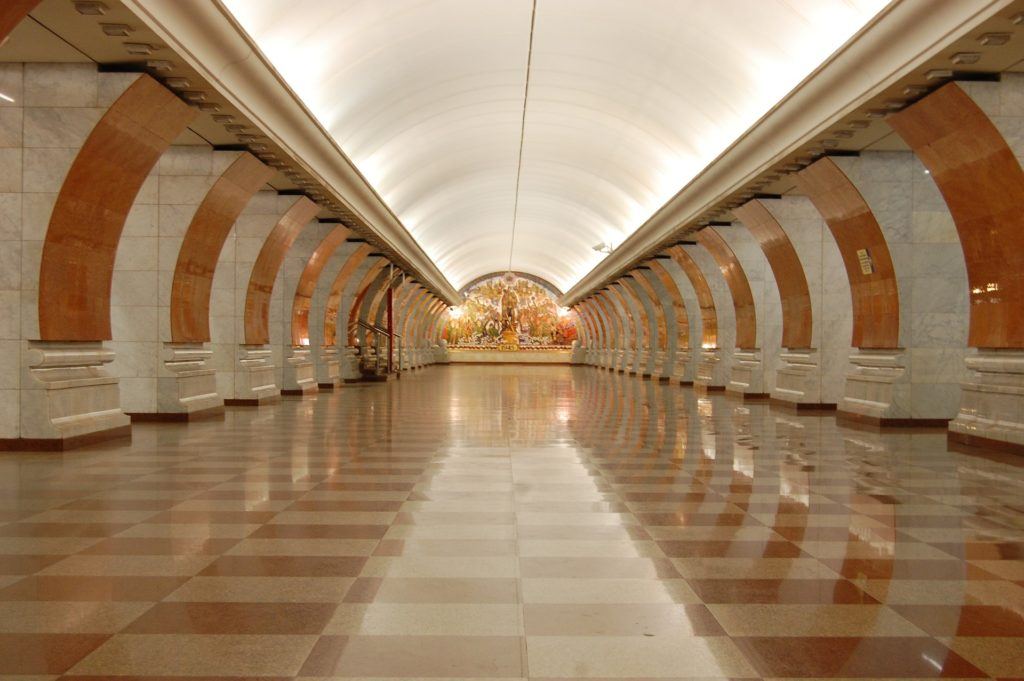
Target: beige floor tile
[263, 589]
[425, 619]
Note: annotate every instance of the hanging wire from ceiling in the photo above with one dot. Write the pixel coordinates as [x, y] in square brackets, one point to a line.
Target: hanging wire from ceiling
[522, 135]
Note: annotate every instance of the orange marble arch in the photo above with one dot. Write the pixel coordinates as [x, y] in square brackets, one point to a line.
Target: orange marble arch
[983, 186]
[419, 308]
[402, 298]
[204, 240]
[601, 338]
[268, 264]
[352, 263]
[616, 333]
[739, 286]
[637, 314]
[678, 306]
[376, 306]
[362, 289]
[77, 266]
[583, 313]
[876, 298]
[656, 305]
[306, 287]
[439, 319]
[618, 306]
[11, 14]
[411, 308]
[708, 314]
[797, 322]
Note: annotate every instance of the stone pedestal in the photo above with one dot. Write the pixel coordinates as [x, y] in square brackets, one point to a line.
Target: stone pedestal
[328, 369]
[349, 365]
[798, 380]
[186, 389]
[67, 397]
[299, 373]
[659, 365]
[992, 401]
[441, 353]
[577, 354]
[684, 370]
[711, 370]
[643, 368]
[877, 391]
[254, 378]
[747, 377]
[619, 363]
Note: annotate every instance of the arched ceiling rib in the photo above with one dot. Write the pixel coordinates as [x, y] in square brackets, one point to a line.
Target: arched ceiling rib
[628, 102]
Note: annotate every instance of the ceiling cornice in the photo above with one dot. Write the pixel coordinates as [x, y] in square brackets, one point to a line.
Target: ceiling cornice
[204, 34]
[902, 37]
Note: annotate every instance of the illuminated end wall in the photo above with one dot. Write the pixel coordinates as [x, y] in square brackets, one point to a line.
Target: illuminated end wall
[510, 312]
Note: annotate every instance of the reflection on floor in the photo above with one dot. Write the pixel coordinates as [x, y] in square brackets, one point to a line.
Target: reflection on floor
[513, 522]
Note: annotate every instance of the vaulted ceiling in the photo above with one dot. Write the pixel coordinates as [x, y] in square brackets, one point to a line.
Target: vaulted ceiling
[508, 135]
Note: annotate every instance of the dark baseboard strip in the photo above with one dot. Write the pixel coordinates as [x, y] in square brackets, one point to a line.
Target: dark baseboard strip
[210, 414]
[801, 406]
[27, 444]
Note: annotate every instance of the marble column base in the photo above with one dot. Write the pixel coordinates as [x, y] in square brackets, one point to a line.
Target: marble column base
[747, 378]
[255, 383]
[798, 380]
[186, 390]
[877, 391]
[684, 369]
[349, 365]
[992, 401]
[659, 369]
[643, 364]
[578, 353]
[328, 369]
[623, 360]
[67, 399]
[299, 373]
[711, 370]
[441, 353]
[607, 358]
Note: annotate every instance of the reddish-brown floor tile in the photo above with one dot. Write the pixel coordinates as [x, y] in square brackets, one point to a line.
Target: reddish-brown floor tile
[868, 568]
[965, 620]
[154, 546]
[62, 529]
[730, 549]
[285, 566]
[45, 653]
[82, 588]
[778, 591]
[872, 658]
[25, 564]
[315, 505]
[318, 531]
[233, 618]
[213, 517]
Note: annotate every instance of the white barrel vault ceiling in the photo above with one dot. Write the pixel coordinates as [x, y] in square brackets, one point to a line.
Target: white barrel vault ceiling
[627, 101]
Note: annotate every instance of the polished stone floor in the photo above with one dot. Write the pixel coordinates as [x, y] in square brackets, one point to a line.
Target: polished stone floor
[513, 522]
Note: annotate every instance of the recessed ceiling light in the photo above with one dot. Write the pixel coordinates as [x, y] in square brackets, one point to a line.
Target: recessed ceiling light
[939, 74]
[859, 125]
[224, 118]
[894, 104]
[160, 64]
[177, 83]
[138, 48]
[6, 98]
[235, 127]
[246, 138]
[965, 58]
[117, 30]
[994, 39]
[1017, 19]
[845, 134]
[90, 8]
[211, 107]
[914, 90]
[194, 95]
[877, 113]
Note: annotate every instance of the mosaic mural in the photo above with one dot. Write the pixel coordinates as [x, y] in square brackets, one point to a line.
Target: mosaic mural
[510, 313]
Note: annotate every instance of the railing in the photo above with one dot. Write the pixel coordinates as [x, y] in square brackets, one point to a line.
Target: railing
[378, 363]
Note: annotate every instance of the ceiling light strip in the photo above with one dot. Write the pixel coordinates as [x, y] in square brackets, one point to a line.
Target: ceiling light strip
[522, 135]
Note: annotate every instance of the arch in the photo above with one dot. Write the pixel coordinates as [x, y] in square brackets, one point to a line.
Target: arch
[306, 287]
[627, 325]
[708, 314]
[613, 322]
[77, 267]
[739, 286]
[876, 298]
[408, 323]
[268, 264]
[682, 322]
[192, 284]
[654, 305]
[419, 313]
[372, 275]
[586, 325]
[797, 320]
[372, 308]
[983, 185]
[352, 263]
[638, 314]
[12, 12]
